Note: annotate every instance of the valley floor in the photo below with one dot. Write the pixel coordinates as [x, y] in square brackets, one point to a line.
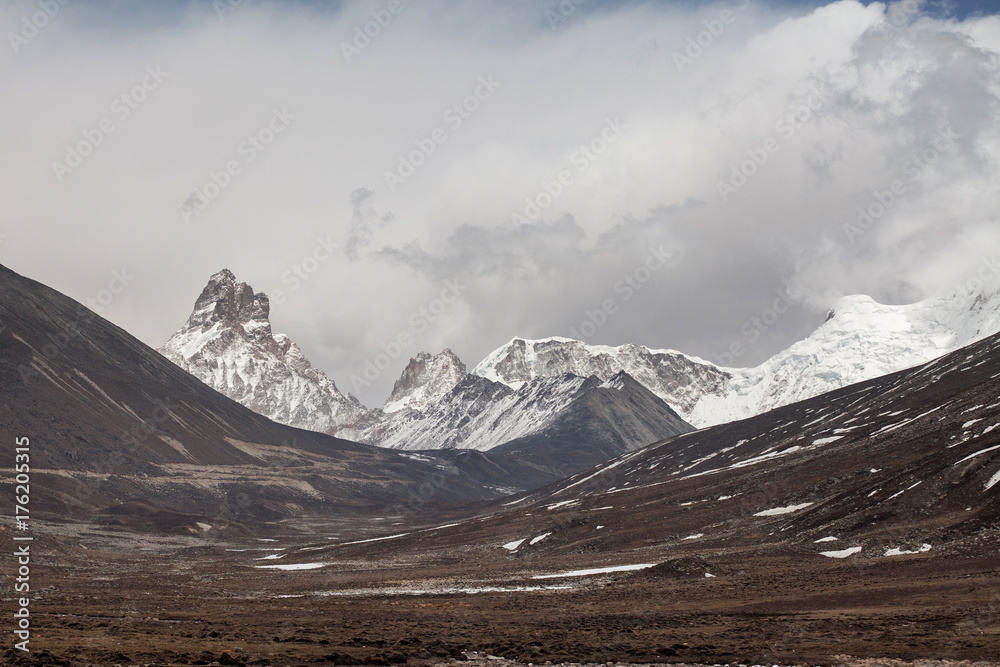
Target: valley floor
[107, 598]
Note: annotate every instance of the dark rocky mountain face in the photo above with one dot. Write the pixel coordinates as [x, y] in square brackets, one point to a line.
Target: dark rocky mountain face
[545, 430]
[111, 421]
[605, 420]
[228, 301]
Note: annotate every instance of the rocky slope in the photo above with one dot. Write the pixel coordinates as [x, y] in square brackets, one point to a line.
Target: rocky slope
[903, 466]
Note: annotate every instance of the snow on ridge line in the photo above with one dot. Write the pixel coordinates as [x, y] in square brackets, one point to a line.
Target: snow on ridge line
[596, 570]
[979, 453]
[602, 470]
[562, 503]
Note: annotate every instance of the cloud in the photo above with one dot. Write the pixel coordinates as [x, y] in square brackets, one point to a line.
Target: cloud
[365, 222]
[755, 145]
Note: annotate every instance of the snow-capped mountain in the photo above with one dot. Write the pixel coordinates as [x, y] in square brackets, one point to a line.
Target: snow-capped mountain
[436, 404]
[228, 344]
[482, 414]
[681, 380]
[860, 340]
[425, 380]
[522, 390]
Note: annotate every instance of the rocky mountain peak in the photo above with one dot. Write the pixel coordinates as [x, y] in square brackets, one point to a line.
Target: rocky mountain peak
[426, 378]
[522, 360]
[228, 344]
[228, 301]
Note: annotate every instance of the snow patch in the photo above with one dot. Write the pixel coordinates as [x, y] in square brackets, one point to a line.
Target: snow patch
[564, 503]
[841, 554]
[900, 552]
[596, 570]
[777, 511]
[292, 566]
[374, 539]
[979, 453]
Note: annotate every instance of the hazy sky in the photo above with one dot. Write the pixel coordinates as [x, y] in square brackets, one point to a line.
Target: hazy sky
[662, 169]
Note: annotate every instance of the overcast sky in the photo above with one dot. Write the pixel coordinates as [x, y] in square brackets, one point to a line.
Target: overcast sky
[669, 168]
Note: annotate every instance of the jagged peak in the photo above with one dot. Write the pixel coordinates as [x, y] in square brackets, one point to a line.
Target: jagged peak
[229, 301]
[426, 378]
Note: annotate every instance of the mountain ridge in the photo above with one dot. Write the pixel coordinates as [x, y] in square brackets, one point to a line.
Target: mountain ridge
[438, 403]
[860, 340]
[227, 342]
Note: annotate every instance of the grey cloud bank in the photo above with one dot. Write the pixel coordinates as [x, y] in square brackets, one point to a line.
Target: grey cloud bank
[354, 252]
